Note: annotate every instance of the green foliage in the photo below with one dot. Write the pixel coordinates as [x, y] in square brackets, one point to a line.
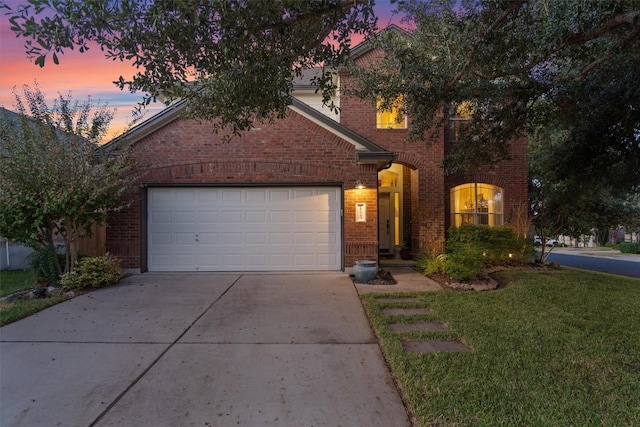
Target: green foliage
[519, 64]
[459, 265]
[242, 55]
[44, 266]
[15, 280]
[628, 248]
[471, 248]
[93, 272]
[54, 177]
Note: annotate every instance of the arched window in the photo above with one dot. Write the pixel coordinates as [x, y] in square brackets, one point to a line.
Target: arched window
[476, 203]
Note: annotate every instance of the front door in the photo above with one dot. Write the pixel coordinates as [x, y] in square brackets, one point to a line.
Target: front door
[385, 222]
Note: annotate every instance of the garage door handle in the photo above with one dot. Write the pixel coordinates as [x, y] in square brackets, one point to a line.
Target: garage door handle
[197, 238]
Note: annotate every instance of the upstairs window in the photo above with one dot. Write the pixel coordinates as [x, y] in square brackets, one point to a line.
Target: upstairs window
[459, 116]
[391, 116]
[476, 203]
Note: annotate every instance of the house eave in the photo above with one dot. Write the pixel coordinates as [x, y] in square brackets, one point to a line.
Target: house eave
[382, 160]
[148, 126]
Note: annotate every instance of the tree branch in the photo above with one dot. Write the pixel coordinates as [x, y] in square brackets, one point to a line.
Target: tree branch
[631, 19]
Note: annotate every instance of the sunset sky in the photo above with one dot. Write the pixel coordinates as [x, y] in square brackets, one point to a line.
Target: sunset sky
[86, 74]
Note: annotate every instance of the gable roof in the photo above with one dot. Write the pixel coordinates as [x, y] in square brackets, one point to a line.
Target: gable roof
[369, 43]
[150, 125]
[366, 151]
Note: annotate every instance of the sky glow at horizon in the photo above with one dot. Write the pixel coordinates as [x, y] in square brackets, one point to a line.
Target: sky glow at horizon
[87, 74]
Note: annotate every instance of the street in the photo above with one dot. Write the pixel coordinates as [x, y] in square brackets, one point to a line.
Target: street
[624, 267]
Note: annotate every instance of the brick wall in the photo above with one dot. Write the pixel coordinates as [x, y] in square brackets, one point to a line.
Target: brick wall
[425, 201]
[511, 175]
[290, 151]
[293, 151]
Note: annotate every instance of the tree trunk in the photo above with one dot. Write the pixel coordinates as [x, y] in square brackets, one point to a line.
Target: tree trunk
[54, 254]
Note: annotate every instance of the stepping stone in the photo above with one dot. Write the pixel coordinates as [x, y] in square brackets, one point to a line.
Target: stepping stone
[397, 300]
[419, 326]
[433, 346]
[408, 311]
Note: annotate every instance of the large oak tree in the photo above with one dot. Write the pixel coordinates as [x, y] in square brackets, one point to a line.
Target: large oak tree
[563, 72]
[235, 59]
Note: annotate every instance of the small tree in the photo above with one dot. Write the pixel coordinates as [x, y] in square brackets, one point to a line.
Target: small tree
[55, 179]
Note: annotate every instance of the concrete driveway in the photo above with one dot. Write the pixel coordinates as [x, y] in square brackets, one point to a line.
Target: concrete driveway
[200, 349]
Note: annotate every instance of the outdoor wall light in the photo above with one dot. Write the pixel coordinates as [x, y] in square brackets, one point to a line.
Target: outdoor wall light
[360, 185]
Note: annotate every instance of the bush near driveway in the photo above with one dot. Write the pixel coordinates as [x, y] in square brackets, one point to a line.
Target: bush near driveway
[472, 248]
[553, 348]
[93, 272]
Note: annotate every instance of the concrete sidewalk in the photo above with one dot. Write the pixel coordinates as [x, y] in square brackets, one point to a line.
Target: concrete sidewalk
[200, 349]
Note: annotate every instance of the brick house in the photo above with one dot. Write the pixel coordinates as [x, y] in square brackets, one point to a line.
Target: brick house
[313, 191]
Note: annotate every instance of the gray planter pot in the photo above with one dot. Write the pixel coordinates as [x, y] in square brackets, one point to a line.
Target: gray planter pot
[365, 271]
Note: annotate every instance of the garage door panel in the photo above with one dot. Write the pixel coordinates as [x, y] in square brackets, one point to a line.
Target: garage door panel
[188, 239]
[257, 260]
[208, 238]
[161, 239]
[256, 238]
[160, 217]
[233, 260]
[180, 260]
[256, 217]
[185, 196]
[258, 229]
[279, 239]
[232, 195]
[327, 238]
[280, 261]
[208, 217]
[279, 216]
[279, 195]
[232, 217]
[327, 259]
[256, 195]
[185, 217]
[208, 197]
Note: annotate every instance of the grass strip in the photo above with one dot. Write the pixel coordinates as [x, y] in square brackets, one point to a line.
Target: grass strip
[553, 348]
[16, 310]
[14, 281]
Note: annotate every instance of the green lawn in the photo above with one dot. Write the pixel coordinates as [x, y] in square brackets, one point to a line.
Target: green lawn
[13, 281]
[553, 348]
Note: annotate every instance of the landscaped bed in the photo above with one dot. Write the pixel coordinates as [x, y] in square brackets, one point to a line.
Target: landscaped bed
[15, 282]
[553, 348]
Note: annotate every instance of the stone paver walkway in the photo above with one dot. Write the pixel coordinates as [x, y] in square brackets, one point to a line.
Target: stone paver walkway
[419, 346]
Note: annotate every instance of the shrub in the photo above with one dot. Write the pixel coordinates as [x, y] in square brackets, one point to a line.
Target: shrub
[495, 245]
[44, 268]
[93, 272]
[471, 248]
[628, 248]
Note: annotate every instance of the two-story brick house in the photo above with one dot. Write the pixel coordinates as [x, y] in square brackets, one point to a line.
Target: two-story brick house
[313, 191]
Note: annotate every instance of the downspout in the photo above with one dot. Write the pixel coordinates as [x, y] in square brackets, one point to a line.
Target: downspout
[385, 166]
[6, 243]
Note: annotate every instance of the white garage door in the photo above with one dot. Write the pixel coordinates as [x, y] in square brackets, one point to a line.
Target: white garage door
[244, 229]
